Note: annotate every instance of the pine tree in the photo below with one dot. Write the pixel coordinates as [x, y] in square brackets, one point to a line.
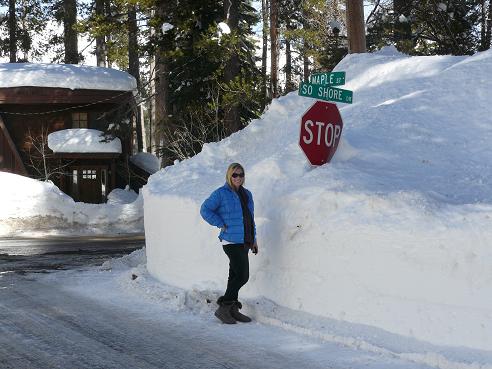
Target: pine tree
[427, 27]
[200, 93]
[317, 31]
[24, 20]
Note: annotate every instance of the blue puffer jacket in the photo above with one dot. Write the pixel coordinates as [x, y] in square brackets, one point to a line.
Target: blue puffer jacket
[223, 208]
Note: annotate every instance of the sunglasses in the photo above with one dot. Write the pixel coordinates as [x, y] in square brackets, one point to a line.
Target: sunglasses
[235, 175]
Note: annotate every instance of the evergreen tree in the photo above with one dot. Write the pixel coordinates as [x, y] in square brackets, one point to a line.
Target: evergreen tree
[427, 27]
[200, 94]
[23, 21]
[317, 30]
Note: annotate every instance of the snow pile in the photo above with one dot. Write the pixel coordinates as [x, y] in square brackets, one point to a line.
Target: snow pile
[82, 140]
[70, 76]
[122, 196]
[394, 233]
[147, 161]
[30, 207]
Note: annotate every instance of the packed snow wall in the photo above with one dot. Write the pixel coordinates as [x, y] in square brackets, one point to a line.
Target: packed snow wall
[32, 208]
[394, 233]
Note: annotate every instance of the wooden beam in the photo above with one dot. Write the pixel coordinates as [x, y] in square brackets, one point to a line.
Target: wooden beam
[49, 95]
[18, 161]
[86, 155]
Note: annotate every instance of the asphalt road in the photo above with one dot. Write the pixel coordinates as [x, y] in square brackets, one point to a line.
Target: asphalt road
[42, 255]
[42, 325]
[46, 323]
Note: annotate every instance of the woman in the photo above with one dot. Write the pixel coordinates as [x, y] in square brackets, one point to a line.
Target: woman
[231, 209]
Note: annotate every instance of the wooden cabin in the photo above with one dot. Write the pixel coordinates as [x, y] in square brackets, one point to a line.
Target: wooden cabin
[39, 99]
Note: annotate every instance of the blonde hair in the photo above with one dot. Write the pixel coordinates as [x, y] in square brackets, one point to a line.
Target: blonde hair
[231, 170]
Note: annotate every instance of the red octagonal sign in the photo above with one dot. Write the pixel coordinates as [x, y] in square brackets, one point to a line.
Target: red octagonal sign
[321, 128]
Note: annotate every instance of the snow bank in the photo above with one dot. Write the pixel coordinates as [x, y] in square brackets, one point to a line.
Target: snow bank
[122, 196]
[147, 161]
[65, 76]
[82, 140]
[30, 207]
[394, 233]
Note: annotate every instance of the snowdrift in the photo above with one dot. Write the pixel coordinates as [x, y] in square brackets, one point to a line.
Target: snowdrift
[394, 233]
[29, 208]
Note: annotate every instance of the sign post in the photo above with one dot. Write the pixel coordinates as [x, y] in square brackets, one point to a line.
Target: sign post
[321, 128]
[325, 93]
[328, 79]
[321, 125]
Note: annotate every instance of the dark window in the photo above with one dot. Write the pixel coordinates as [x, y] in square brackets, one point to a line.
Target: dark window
[79, 120]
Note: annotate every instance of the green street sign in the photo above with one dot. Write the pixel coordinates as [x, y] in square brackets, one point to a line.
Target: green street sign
[325, 93]
[327, 79]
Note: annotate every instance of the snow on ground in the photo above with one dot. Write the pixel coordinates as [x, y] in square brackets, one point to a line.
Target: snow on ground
[126, 283]
[82, 140]
[33, 208]
[122, 196]
[394, 234]
[70, 76]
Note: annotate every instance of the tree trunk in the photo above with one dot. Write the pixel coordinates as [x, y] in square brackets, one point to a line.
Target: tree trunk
[305, 46]
[355, 26]
[108, 37]
[152, 113]
[162, 110]
[264, 11]
[134, 65]
[22, 23]
[69, 33]
[232, 120]
[101, 53]
[488, 31]
[12, 32]
[274, 47]
[289, 85]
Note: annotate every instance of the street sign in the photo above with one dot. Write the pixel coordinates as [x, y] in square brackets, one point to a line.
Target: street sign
[327, 79]
[321, 129]
[326, 93]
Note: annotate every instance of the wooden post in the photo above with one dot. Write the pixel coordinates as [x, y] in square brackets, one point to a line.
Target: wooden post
[355, 26]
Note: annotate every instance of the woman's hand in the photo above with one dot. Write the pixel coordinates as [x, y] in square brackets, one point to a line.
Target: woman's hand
[254, 248]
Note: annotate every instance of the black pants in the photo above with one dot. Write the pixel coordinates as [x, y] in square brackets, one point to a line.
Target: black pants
[238, 270]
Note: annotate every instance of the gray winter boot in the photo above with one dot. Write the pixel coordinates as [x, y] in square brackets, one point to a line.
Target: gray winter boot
[224, 312]
[237, 315]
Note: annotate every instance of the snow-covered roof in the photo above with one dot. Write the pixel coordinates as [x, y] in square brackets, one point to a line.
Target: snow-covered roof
[65, 76]
[82, 140]
[147, 161]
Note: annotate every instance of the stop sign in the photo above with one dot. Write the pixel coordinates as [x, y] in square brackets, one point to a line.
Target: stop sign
[321, 128]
